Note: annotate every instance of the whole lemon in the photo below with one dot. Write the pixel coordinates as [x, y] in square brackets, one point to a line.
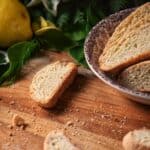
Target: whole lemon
[15, 25]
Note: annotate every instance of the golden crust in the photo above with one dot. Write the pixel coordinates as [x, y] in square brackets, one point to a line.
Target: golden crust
[56, 92]
[128, 27]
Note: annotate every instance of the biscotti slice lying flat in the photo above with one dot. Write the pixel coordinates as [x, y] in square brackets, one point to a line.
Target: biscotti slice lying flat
[51, 81]
[129, 43]
[137, 77]
[137, 140]
[58, 141]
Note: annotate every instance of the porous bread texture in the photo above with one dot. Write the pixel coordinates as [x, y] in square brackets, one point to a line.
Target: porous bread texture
[56, 140]
[137, 140]
[50, 82]
[136, 77]
[129, 43]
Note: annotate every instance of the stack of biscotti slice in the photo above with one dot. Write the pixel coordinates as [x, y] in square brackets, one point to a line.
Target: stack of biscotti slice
[128, 49]
[137, 77]
[130, 42]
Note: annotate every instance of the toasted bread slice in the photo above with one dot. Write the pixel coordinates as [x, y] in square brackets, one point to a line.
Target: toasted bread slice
[137, 77]
[56, 140]
[129, 43]
[137, 140]
[51, 81]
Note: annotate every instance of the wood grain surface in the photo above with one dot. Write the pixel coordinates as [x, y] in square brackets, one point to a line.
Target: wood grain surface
[98, 114]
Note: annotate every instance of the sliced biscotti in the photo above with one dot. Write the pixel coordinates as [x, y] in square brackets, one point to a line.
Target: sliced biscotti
[56, 140]
[51, 81]
[137, 77]
[137, 140]
[129, 43]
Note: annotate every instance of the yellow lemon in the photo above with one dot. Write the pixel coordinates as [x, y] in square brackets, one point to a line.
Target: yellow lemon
[15, 25]
[42, 26]
[51, 36]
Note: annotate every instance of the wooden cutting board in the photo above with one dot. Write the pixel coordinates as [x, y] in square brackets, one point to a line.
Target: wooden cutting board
[93, 115]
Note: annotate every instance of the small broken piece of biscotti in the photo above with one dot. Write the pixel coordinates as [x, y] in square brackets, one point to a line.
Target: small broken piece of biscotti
[51, 81]
[56, 140]
[137, 140]
[18, 121]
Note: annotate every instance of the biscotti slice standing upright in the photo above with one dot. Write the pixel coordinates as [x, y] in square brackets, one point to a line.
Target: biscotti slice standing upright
[129, 43]
[51, 81]
[137, 77]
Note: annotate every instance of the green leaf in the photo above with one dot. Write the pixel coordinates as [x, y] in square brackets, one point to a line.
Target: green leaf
[116, 5]
[63, 20]
[55, 39]
[79, 17]
[77, 35]
[18, 54]
[2, 59]
[36, 12]
[3, 68]
[78, 54]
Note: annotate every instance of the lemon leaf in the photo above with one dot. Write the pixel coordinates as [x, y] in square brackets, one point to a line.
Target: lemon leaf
[18, 54]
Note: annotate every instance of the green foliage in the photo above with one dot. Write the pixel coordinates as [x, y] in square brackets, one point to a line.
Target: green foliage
[3, 57]
[18, 54]
[3, 68]
[4, 62]
[116, 5]
[78, 54]
[55, 39]
[63, 20]
[75, 18]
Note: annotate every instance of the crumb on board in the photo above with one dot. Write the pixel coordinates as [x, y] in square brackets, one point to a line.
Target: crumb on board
[12, 103]
[10, 126]
[10, 134]
[10, 96]
[18, 121]
[69, 123]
